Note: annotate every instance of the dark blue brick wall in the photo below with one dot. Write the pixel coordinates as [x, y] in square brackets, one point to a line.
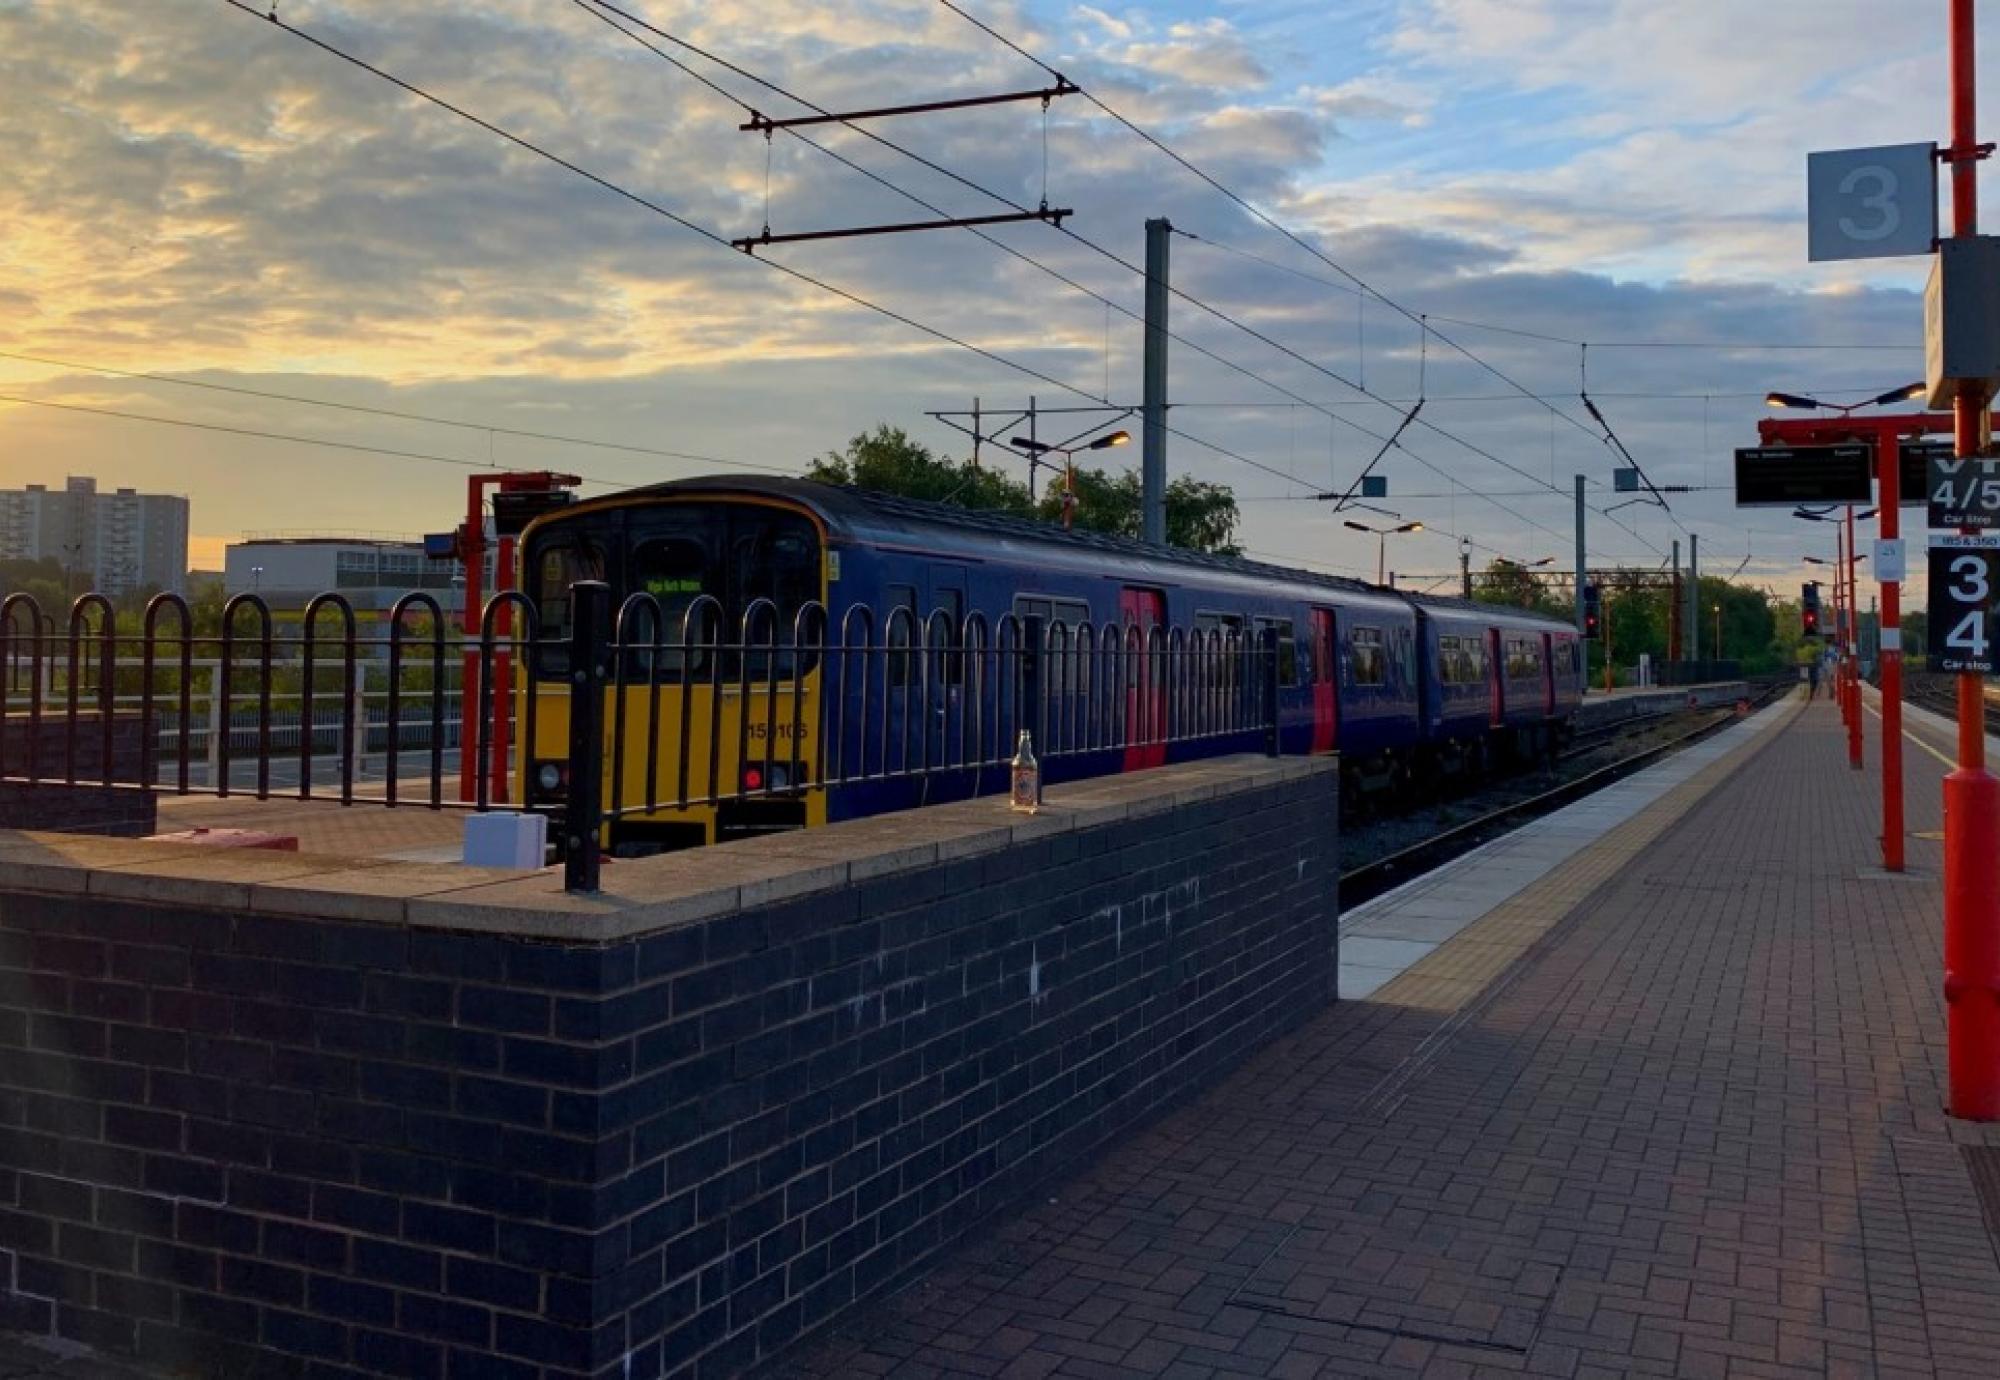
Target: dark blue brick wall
[325, 1149]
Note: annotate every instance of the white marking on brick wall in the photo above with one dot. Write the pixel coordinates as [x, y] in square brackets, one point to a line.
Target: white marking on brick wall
[1035, 975]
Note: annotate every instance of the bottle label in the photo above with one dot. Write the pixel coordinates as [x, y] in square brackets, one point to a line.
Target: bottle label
[1027, 793]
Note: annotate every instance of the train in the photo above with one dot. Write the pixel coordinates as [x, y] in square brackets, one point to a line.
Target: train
[741, 599]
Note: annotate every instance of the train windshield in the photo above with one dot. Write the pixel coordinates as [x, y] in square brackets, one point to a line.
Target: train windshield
[678, 552]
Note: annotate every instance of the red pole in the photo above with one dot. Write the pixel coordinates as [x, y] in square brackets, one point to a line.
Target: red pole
[1971, 795]
[1853, 644]
[1889, 460]
[503, 680]
[473, 554]
[1839, 621]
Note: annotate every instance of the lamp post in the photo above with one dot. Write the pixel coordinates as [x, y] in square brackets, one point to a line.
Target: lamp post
[1036, 450]
[1848, 684]
[1382, 535]
[1888, 435]
[1718, 632]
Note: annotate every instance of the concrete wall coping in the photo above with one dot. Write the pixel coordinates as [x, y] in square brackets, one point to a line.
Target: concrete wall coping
[638, 897]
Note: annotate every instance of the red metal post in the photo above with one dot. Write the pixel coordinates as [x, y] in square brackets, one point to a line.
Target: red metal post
[503, 679]
[1971, 795]
[1889, 638]
[1853, 649]
[472, 551]
[1838, 639]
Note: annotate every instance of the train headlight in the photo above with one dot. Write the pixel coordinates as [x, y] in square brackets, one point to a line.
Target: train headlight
[781, 777]
[549, 777]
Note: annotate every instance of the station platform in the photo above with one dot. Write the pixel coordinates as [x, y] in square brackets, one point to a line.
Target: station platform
[1656, 1091]
[1602, 707]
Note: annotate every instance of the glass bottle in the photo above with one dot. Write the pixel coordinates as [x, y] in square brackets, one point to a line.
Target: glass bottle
[1027, 793]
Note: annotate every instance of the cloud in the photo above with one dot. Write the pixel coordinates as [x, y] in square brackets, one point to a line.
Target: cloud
[1209, 53]
[189, 189]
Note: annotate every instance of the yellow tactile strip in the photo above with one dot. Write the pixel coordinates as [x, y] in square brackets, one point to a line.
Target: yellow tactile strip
[1458, 970]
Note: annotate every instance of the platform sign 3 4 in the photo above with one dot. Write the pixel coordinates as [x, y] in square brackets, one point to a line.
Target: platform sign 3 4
[1965, 575]
[1963, 491]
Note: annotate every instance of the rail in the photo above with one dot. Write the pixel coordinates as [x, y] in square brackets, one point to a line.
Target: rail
[656, 709]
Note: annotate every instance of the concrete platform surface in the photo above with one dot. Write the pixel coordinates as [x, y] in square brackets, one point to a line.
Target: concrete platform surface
[1672, 1108]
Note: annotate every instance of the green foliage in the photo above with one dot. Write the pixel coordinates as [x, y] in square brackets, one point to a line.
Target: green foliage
[888, 461]
[1514, 586]
[1200, 516]
[43, 580]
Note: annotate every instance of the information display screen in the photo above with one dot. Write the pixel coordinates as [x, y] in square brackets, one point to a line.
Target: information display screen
[1785, 476]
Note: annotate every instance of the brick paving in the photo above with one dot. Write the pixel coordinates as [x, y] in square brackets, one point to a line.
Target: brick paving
[323, 826]
[1692, 1127]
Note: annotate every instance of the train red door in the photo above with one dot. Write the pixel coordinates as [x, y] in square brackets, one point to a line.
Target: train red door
[1496, 676]
[1145, 677]
[1549, 675]
[1326, 688]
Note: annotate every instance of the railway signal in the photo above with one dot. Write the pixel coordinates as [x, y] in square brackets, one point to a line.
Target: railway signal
[1593, 611]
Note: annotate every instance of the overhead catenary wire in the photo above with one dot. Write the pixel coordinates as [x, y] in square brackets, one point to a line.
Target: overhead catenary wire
[800, 276]
[392, 413]
[711, 236]
[1359, 283]
[261, 434]
[603, 11]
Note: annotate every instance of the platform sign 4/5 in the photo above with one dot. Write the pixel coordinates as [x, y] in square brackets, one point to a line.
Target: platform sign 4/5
[1965, 575]
[1964, 491]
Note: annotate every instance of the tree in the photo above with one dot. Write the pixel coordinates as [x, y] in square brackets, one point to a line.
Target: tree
[887, 461]
[1200, 516]
[1512, 585]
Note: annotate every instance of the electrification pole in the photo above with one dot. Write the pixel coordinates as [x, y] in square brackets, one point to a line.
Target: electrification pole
[1853, 648]
[1691, 620]
[1582, 572]
[1971, 795]
[1889, 654]
[1676, 648]
[1153, 450]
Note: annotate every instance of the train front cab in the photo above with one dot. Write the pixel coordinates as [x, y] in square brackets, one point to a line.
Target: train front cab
[733, 572]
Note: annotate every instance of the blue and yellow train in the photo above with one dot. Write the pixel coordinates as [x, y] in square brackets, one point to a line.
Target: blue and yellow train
[741, 712]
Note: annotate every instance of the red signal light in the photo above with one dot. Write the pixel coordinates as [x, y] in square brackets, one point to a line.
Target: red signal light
[753, 779]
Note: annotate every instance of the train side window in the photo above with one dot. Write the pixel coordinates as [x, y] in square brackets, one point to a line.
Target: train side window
[900, 632]
[1454, 666]
[1365, 654]
[1072, 614]
[1288, 650]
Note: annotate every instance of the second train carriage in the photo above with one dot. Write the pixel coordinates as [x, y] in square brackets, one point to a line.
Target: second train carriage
[741, 731]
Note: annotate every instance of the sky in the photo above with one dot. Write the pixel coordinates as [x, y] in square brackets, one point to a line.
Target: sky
[192, 191]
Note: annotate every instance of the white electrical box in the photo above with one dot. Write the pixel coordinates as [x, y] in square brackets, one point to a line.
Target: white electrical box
[505, 838]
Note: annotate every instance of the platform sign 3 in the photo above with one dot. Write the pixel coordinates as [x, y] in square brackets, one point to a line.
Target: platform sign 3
[1871, 203]
[1963, 491]
[1965, 574]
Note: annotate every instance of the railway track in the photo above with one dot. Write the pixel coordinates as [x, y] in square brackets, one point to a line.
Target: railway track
[1937, 691]
[1377, 875]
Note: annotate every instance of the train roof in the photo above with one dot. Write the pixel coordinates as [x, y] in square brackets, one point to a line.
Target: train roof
[867, 514]
[1452, 603]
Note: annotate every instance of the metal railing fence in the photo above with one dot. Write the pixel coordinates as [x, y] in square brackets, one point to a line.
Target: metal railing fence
[668, 709]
